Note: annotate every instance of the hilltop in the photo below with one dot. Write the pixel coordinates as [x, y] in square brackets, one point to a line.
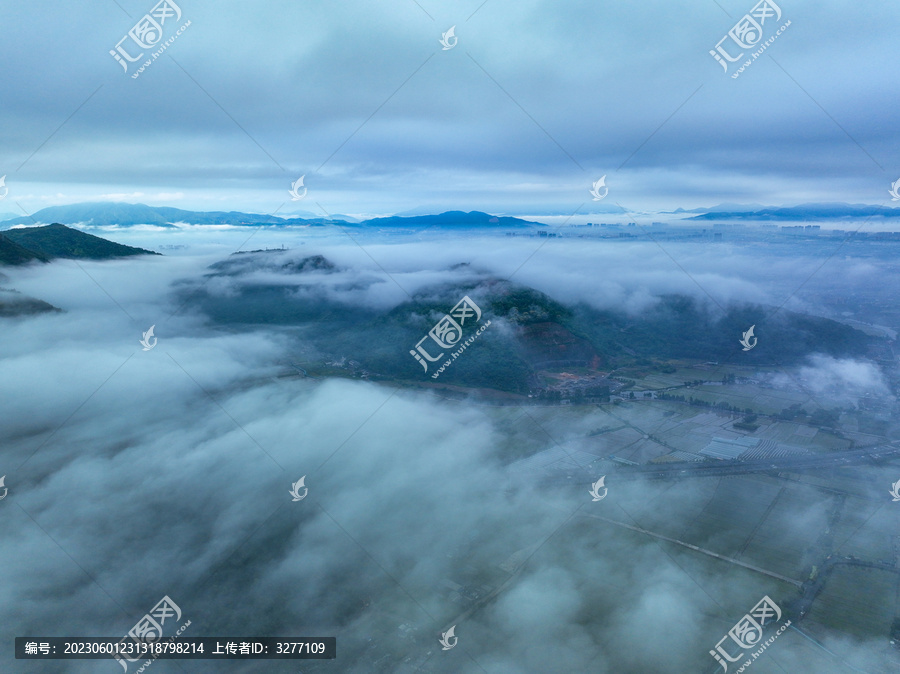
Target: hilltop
[533, 331]
[454, 219]
[14, 303]
[42, 244]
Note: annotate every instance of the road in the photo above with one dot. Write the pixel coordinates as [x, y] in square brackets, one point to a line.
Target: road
[681, 469]
[690, 546]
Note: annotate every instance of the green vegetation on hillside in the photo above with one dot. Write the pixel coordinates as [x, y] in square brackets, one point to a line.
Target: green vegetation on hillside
[14, 303]
[13, 253]
[529, 332]
[59, 241]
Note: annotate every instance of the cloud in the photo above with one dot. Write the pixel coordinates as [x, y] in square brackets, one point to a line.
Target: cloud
[534, 96]
[167, 473]
[628, 276]
[844, 379]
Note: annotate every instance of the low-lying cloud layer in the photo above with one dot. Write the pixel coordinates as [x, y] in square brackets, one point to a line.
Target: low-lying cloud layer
[136, 474]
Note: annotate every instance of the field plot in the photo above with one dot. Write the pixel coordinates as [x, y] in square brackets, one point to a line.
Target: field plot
[761, 399]
[718, 593]
[519, 435]
[668, 507]
[660, 380]
[797, 517]
[858, 601]
[866, 529]
[854, 480]
[732, 515]
[564, 422]
[792, 434]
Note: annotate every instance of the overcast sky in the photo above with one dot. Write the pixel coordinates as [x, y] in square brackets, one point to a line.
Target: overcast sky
[535, 101]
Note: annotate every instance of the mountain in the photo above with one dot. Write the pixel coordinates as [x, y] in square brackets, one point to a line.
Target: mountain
[244, 262]
[298, 213]
[425, 210]
[533, 333]
[830, 211]
[726, 207]
[455, 219]
[14, 303]
[98, 214]
[95, 214]
[42, 244]
[59, 241]
[13, 253]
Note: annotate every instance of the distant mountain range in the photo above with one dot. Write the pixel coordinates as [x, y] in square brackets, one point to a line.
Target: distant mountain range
[456, 219]
[589, 208]
[42, 244]
[101, 214]
[832, 211]
[737, 208]
[98, 214]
